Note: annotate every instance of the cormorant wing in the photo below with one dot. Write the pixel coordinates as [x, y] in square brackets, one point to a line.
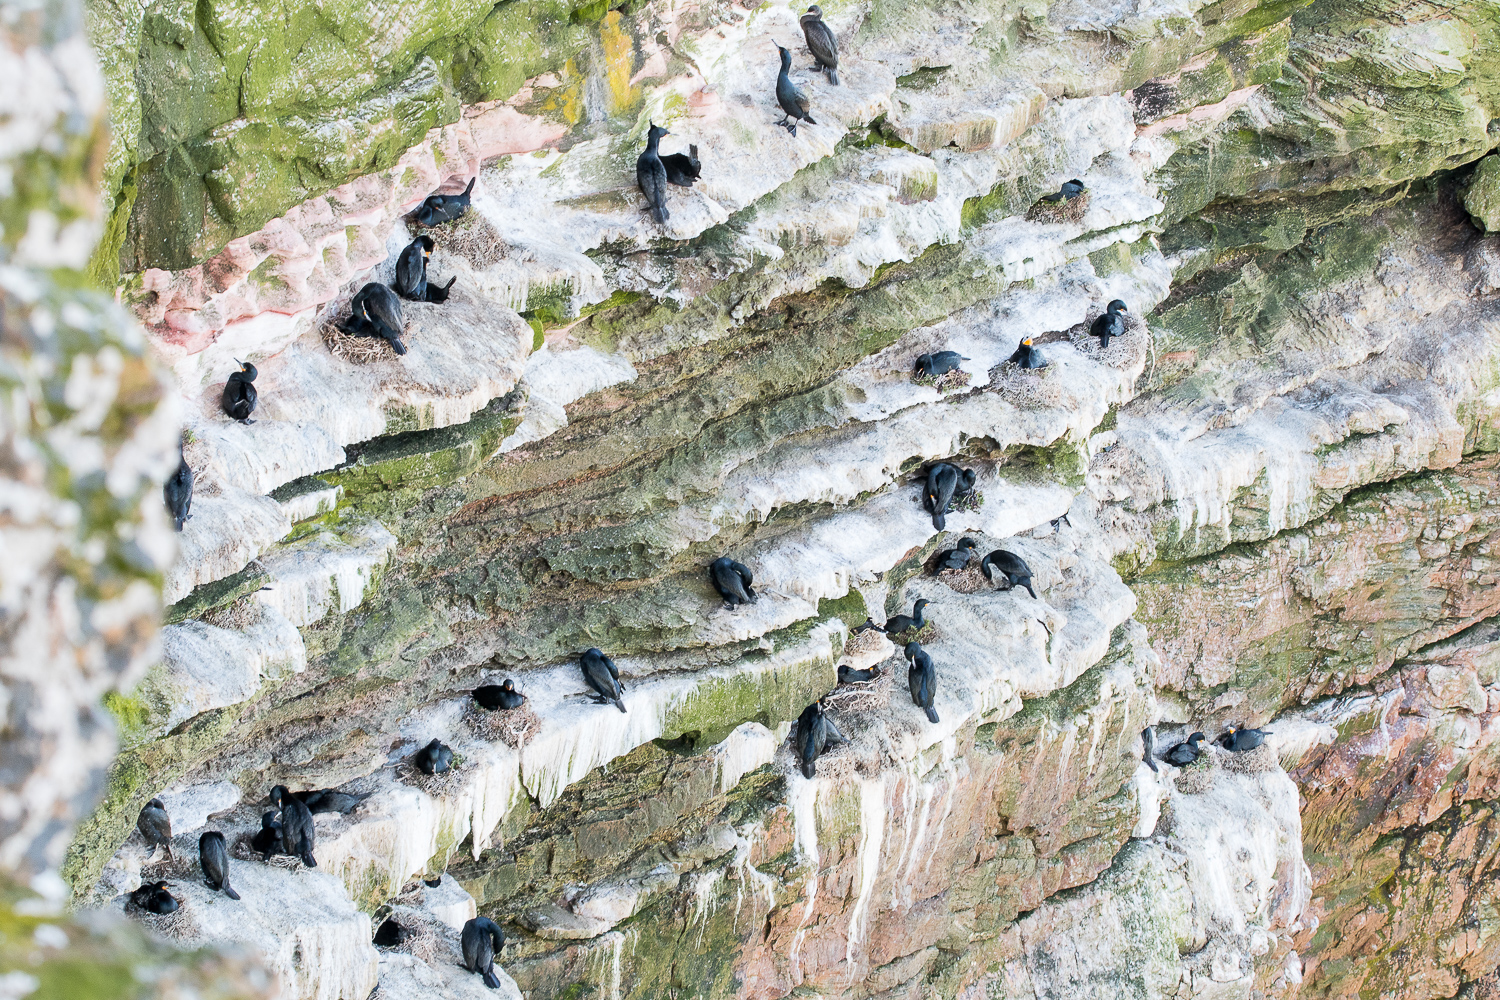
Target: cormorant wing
[799, 97]
[744, 572]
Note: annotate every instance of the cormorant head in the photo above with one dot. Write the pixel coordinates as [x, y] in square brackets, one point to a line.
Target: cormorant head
[967, 543]
[924, 364]
[279, 795]
[594, 651]
[247, 371]
[1026, 342]
[1195, 739]
[912, 649]
[1076, 183]
[656, 131]
[815, 9]
[508, 685]
[786, 57]
[157, 803]
[1118, 306]
[268, 821]
[427, 244]
[922, 602]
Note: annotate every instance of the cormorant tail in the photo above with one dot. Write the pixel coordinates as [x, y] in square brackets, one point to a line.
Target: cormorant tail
[808, 120]
[939, 521]
[305, 849]
[470, 189]
[1027, 584]
[833, 76]
[228, 891]
[397, 346]
[491, 980]
[620, 705]
[932, 715]
[809, 768]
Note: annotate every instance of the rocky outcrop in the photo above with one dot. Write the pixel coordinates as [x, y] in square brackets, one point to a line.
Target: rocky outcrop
[1268, 503]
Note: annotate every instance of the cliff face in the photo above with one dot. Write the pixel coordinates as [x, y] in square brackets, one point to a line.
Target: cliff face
[1269, 503]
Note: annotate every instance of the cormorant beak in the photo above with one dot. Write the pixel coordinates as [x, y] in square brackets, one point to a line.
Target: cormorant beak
[1027, 341]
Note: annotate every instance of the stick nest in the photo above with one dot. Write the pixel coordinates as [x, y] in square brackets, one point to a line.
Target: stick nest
[946, 382]
[1027, 388]
[1060, 211]
[515, 727]
[436, 785]
[1198, 777]
[1258, 761]
[175, 926]
[356, 350]
[866, 695]
[473, 237]
[968, 580]
[863, 642]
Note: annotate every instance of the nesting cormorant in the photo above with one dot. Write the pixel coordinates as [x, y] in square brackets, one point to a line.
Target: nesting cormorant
[900, 623]
[411, 273]
[298, 835]
[1240, 740]
[178, 493]
[441, 208]
[793, 101]
[651, 174]
[326, 800]
[155, 826]
[1184, 754]
[153, 897]
[1070, 190]
[815, 731]
[481, 941]
[268, 839]
[1111, 324]
[945, 481]
[1011, 566]
[497, 696]
[868, 626]
[213, 855]
[821, 43]
[239, 395]
[375, 311]
[1027, 356]
[958, 557]
[848, 675]
[732, 580]
[939, 362]
[390, 934]
[921, 678]
[1148, 741]
[601, 674]
[435, 758]
[683, 168]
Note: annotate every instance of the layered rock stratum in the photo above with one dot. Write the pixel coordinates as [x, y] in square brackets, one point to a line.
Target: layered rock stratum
[1270, 503]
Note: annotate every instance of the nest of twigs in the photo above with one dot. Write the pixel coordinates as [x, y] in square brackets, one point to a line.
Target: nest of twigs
[436, 785]
[1028, 388]
[968, 580]
[515, 727]
[1198, 777]
[865, 695]
[927, 633]
[1258, 761]
[1060, 211]
[971, 501]
[356, 350]
[946, 382]
[175, 926]
[473, 237]
[863, 642]
[244, 851]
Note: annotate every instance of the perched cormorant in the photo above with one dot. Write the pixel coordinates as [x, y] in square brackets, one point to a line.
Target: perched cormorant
[921, 678]
[440, 208]
[213, 855]
[1184, 754]
[1027, 356]
[939, 362]
[502, 695]
[651, 174]
[375, 311]
[1240, 740]
[1070, 190]
[683, 168]
[326, 800]
[1148, 739]
[815, 731]
[411, 273]
[601, 674]
[821, 43]
[154, 898]
[958, 557]
[900, 623]
[1011, 566]
[945, 481]
[268, 839]
[848, 675]
[435, 758]
[239, 394]
[793, 101]
[481, 941]
[1111, 324]
[155, 826]
[298, 835]
[390, 934]
[732, 580]
[178, 492]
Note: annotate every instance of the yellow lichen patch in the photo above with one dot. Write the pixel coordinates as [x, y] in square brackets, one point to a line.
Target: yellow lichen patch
[619, 62]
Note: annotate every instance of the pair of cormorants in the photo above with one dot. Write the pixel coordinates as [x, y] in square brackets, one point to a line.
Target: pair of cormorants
[298, 836]
[1008, 564]
[1182, 754]
[154, 897]
[945, 483]
[156, 826]
[601, 674]
[481, 941]
[815, 733]
[653, 171]
[794, 102]
[499, 696]
[733, 581]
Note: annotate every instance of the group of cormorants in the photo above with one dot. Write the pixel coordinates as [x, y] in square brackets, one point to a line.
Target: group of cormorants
[1182, 754]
